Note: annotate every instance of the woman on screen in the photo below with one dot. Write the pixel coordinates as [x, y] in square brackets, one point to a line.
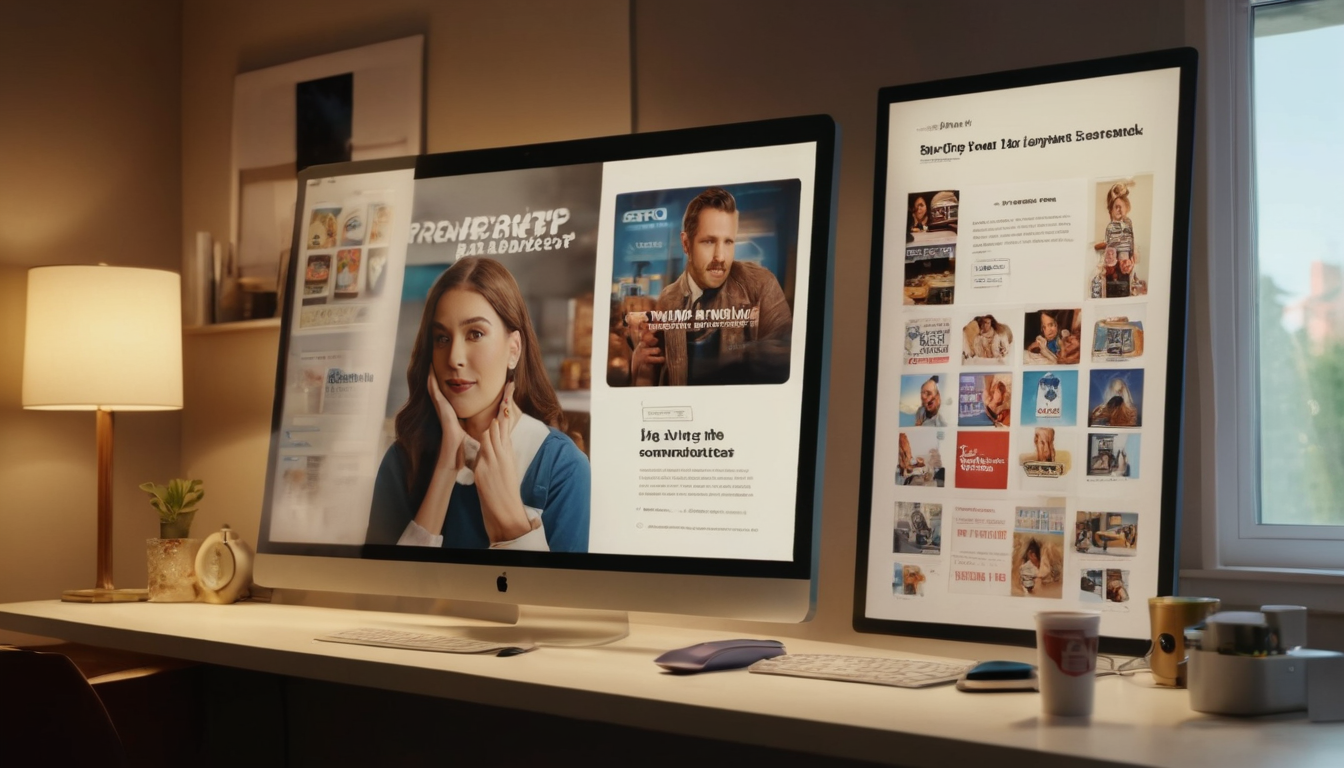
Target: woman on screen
[480, 458]
[919, 214]
[1057, 341]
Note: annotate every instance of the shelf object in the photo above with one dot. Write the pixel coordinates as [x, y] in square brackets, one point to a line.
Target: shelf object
[233, 327]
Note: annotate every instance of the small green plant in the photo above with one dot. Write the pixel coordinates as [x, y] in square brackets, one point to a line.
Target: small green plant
[177, 498]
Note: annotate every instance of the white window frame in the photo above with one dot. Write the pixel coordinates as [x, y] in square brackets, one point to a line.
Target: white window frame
[1284, 561]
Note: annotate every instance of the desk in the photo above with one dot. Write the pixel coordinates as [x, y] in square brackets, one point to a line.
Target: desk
[1135, 723]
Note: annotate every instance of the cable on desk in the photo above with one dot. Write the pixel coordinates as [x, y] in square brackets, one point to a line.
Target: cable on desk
[1106, 665]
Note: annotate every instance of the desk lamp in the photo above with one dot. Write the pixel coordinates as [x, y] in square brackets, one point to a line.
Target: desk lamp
[103, 339]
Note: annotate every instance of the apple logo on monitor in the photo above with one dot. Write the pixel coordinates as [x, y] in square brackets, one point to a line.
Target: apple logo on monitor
[502, 583]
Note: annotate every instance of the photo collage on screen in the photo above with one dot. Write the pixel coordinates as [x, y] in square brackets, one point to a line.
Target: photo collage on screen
[345, 259]
[1040, 398]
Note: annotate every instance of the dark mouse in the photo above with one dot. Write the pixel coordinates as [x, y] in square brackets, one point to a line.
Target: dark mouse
[720, 654]
[998, 676]
[1001, 670]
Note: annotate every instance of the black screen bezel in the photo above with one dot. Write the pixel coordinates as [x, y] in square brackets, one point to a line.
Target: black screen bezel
[818, 129]
[1184, 59]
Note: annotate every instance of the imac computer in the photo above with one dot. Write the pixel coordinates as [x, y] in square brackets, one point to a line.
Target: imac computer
[580, 375]
[1027, 308]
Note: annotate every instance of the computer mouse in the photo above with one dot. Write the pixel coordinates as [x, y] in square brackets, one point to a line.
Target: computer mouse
[515, 650]
[998, 676]
[719, 654]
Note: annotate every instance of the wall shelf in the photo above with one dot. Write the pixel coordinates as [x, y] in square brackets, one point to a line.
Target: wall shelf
[240, 325]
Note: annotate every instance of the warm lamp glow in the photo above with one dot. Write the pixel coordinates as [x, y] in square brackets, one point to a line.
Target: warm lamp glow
[105, 338]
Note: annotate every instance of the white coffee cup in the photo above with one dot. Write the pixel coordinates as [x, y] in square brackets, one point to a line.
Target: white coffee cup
[1066, 651]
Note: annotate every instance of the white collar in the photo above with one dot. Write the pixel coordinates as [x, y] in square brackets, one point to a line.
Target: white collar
[696, 290]
[527, 437]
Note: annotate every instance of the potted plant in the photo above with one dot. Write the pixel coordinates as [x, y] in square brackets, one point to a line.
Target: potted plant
[176, 504]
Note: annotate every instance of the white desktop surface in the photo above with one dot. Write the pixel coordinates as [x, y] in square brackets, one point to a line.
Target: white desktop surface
[1135, 722]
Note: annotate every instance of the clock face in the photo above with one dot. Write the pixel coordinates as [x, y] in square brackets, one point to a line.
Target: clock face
[219, 567]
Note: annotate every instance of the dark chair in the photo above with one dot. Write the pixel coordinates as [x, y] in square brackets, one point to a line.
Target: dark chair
[52, 715]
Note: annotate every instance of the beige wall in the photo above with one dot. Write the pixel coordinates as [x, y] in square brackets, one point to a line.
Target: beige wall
[498, 73]
[530, 70]
[89, 171]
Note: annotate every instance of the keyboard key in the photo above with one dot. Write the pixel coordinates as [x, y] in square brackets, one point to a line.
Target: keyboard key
[902, 673]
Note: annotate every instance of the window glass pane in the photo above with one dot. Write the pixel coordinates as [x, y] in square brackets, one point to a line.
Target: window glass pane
[1298, 98]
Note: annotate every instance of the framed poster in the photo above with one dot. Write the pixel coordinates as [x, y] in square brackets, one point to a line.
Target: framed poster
[360, 104]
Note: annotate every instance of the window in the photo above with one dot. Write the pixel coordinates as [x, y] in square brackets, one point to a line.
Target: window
[1297, 49]
[1273, 127]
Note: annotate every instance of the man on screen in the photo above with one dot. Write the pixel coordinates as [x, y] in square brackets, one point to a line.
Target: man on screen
[739, 324]
[930, 402]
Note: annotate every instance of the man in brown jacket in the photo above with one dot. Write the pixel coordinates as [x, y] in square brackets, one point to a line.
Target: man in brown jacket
[737, 323]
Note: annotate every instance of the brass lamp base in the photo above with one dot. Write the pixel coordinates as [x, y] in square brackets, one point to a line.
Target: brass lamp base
[105, 595]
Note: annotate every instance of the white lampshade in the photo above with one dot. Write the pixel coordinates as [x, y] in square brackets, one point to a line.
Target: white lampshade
[103, 337]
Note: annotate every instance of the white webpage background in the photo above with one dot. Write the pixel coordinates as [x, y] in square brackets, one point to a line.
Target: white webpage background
[1052, 275]
[351, 443]
[760, 423]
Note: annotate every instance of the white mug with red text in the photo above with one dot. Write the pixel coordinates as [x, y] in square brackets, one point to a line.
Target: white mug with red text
[1066, 649]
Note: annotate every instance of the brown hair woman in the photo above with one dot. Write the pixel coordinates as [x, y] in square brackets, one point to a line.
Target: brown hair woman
[480, 458]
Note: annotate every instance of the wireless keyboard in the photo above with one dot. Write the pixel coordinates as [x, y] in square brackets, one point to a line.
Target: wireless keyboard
[903, 673]
[416, 641]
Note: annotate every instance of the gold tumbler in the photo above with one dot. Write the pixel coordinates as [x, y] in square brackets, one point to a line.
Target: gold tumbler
[1169, 617]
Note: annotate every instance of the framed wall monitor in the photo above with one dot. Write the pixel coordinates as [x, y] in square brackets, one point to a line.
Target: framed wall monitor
[584, 375]
[1023, 388]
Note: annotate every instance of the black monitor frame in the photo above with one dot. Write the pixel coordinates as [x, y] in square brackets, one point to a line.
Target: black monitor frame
[1183, 59]
[802, 565]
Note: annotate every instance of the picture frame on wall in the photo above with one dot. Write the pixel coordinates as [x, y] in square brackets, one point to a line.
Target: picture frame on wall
[360, 104]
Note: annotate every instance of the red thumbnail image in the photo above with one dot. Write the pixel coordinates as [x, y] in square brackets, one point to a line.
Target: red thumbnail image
[982, 460]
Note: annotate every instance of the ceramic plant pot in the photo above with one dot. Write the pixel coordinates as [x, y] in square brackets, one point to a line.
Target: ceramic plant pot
[177, 529]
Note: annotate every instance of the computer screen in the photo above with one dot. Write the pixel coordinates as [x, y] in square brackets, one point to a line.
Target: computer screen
[585, 374]
[1026, 349]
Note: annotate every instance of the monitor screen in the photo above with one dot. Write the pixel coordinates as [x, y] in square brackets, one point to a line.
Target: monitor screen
[555, 362]
[1026, 349]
